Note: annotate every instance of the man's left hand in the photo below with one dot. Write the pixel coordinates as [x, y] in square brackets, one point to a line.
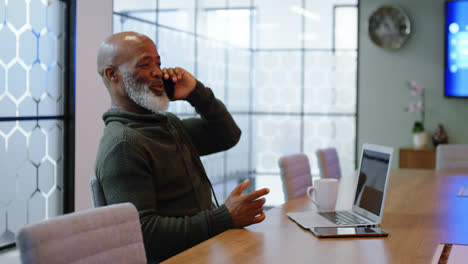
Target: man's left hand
[246, 209]
[184, 82]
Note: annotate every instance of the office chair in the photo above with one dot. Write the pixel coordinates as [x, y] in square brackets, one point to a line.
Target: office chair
[328, 163]
[452, 157]
[295, 175]
[110, 234]
[97, 193]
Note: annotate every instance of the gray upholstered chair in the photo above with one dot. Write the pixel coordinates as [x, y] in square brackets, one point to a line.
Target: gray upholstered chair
[328, 163]
[295, 174]
[97, 193]
[110, 234]
[452, 157]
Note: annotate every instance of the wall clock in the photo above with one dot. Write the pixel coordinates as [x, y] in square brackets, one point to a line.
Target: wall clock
[389, 27]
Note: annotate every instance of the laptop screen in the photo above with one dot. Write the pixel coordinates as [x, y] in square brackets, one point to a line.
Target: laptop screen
[371, 182]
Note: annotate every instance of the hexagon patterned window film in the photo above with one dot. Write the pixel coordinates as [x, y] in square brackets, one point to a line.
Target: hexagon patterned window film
[286, 70]
[32, 123]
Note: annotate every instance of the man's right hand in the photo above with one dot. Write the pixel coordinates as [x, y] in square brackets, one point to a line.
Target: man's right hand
[246, 209]
[183, 80]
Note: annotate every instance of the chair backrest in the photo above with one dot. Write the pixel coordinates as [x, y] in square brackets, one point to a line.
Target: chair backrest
[110, 234]
[97, 193]
[295, 174]
[328, 163]
[452, 157]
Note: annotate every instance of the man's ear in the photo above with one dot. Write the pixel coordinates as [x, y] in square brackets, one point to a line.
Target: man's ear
[111, 74]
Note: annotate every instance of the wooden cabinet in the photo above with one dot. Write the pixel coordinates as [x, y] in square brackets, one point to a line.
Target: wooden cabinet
[412, 158]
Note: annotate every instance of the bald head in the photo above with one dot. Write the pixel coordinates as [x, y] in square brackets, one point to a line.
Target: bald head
[118, 49]
[129, 65]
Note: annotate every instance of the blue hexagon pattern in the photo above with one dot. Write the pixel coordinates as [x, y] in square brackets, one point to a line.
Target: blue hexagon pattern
[8, 50]
[46, 176]
[37, 19]
[17, 81]
[28, 47]
[47, 49]
[2, 80]
[2, 13]
[16, 13]
[37, 81]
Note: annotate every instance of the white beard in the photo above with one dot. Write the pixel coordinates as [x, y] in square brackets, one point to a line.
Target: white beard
[142, 95]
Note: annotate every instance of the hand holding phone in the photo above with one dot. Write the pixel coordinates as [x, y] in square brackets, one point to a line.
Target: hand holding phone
[185, 83]
[169, 86]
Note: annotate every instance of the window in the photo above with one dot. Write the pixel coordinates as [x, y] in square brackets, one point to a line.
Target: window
[286, 70]
[33, 106]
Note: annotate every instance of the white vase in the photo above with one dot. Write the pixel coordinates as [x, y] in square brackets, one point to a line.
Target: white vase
[420, 139]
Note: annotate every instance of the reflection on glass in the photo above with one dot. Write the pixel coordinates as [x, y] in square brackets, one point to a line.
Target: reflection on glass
[371, 182]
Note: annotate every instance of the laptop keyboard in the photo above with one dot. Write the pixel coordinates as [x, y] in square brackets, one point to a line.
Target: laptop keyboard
[343, 218]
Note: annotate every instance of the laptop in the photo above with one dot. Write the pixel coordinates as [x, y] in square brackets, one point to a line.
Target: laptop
[374, 169]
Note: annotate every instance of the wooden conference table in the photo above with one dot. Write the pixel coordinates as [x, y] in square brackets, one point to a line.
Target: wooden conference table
[421, 210]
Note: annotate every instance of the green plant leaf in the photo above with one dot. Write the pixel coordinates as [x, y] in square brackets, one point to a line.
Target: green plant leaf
[418, 127]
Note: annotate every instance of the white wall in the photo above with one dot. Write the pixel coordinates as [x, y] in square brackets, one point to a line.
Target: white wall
[93, 24]
[383, 77]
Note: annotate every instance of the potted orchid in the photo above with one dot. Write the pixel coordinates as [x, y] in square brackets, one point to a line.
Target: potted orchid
[420, 136]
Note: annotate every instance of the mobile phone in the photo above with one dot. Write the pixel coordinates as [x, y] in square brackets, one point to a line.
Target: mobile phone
[169, 87]
[333, 232]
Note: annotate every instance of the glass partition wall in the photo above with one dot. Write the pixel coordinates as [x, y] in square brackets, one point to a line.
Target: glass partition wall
[286, 71]
[34, 66]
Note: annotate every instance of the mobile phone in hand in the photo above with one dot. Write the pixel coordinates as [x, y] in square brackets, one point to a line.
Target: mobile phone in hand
[169, 87]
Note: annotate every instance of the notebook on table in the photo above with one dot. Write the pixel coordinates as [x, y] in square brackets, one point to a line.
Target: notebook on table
[374, 169]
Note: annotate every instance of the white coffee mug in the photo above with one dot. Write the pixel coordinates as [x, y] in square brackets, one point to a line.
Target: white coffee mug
[323, 194]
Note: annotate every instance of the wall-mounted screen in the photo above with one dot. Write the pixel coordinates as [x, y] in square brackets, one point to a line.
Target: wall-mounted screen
[456, 48]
